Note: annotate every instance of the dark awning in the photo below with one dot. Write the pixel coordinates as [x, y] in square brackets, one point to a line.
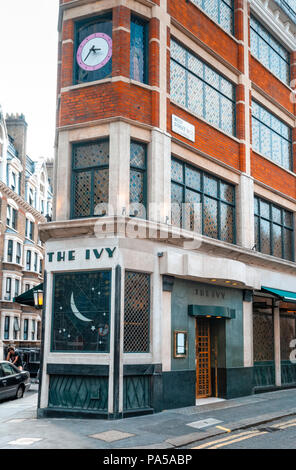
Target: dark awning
[210, 311]
[285, 295]
[27, 298]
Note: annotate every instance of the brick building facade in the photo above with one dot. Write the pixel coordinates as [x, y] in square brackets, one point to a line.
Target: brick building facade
[176, 134]
[26, 199]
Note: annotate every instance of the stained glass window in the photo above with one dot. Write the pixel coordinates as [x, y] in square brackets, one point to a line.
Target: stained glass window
[271, 137]
[273, 230]
[139, 50]
[269, 51]
[81, 311]
[199, 88]
[137, 312]
[103, 24]
[202, 203]
[220, 11]
[138, 179]
[90, 177]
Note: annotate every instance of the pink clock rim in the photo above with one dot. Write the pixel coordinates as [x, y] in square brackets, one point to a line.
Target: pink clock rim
[81, 46]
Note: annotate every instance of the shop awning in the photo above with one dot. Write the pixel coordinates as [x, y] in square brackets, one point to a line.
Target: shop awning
[210, 311]
[27, 298]
[284, 295]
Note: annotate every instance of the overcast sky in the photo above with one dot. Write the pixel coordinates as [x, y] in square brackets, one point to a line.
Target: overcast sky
[28, 65]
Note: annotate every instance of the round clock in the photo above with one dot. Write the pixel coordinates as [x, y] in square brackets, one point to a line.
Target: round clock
[94, 52]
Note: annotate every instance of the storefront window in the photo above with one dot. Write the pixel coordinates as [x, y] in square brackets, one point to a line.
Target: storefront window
[137, 312]
[90, 177]
[263, 342]
[288, 334]
[81, 311]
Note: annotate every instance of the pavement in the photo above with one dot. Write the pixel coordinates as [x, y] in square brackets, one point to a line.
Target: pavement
[170, 429]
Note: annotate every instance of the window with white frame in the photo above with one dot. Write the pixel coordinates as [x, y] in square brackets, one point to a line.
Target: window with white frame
[28, 260]
[26, 328]
[6, 327]
[33, 332]
[35, 262]
[10, 251]
[29, 229]
[16, 327]
[11, 220]
[7, 295]
[16, 287]
[18, 256]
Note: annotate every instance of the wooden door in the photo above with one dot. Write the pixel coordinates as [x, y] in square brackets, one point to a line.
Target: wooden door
[203, 358]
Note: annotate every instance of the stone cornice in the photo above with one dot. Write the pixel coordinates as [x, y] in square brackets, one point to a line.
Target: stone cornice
[166, 234]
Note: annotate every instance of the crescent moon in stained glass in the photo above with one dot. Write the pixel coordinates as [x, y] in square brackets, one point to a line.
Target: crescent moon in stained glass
[76, 311]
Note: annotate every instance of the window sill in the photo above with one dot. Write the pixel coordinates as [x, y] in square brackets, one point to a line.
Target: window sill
[108, 80]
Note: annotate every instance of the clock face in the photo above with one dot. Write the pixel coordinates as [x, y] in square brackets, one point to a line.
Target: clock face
[94, 52]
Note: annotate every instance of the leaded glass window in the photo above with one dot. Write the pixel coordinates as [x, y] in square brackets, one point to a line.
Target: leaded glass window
[269, 51]
[83, 30]
[274, 233]
[90, 177]
[137, 312]
[271, 137]
[199, 88]
[81, 311]
[202, 202]
[138, 179]
[139, 50]
[220, 11]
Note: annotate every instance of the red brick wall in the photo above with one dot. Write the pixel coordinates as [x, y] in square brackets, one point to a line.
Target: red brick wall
[208, 139]
[193, 19]
[267, 172]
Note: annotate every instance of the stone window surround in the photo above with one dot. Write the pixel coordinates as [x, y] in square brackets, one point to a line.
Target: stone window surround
[13, 276]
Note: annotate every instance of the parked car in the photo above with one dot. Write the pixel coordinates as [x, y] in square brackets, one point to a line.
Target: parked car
[13, 382]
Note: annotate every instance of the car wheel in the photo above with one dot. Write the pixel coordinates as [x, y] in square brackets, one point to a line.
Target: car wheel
[20, 392]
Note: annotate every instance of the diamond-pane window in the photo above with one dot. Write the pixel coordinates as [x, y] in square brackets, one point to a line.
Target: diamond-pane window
[269, 51]
[273, 230]
[271, 137]
[90, 177]
[220, 11]
[202, 90]
[138, 50]
[138, 179]
[137, 312]
[202, 203]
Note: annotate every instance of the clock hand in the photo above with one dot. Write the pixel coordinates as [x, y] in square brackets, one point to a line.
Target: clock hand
[91, 49]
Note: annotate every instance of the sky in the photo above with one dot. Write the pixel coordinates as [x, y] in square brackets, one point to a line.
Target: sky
[28, 68]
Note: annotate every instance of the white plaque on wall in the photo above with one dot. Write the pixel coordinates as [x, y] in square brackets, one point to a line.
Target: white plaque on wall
[183, 128]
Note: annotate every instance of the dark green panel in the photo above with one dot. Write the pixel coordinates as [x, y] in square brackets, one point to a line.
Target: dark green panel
[178, 389]
[78, 393]
[288, 371]
[136, 392]
[264, 373]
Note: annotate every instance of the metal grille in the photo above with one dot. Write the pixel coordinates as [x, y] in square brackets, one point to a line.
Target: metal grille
[90, 182]
[263, 337]
[137, 312]
[136, 392]
[203, 369]
[138, 179]
[78, 393]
